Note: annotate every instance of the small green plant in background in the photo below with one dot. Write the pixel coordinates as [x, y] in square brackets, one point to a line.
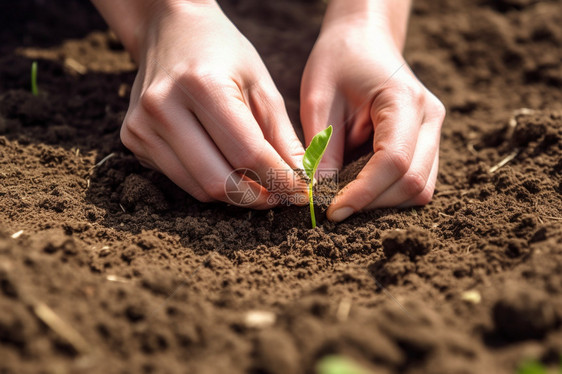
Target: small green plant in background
[536, 367]
[532, 367]
[311, 160]
[34, 90]
[335, 364]
[338, 365]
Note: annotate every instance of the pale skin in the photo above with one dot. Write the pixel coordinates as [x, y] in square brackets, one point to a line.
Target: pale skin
[204, 104]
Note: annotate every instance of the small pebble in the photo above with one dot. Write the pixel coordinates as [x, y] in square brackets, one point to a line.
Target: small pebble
[17, 234]
[259, 319]
[471, 296]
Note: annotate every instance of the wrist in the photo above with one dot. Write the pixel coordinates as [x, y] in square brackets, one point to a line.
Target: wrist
[386, 18]
[131, 19]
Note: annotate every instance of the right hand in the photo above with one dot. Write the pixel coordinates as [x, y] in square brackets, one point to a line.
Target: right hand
[357, 80]
[203, 104]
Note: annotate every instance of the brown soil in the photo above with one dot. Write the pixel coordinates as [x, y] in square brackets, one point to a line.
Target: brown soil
[118, 271]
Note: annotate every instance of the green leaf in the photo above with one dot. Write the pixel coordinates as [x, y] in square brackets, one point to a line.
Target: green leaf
[338, 365]
[311, 160]
[315, 151]
[34, 90]
[531, 367]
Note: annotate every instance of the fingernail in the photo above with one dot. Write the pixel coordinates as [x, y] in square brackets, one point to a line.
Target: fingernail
[341, 214]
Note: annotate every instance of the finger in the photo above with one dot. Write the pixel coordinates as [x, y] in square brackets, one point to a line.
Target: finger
[213, 172]
[396, 125]
[319, 109]
[183, 140]
[228, 120]
[164, 160]
[268, 108]
[414, 181]
[425, 196]
[152, 152]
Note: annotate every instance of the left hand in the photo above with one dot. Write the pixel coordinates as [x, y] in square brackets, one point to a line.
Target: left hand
[357, 80]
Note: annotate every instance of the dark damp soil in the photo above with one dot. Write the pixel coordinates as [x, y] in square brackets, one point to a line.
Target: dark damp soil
[118, 271]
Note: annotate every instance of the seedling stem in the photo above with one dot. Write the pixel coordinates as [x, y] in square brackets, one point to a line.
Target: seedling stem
[311, 202]
[34, 90]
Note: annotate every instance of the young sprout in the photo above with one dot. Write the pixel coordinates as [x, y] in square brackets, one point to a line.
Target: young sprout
[338, 365]
[536, 367]
[311, 160]
[34, 90]
[531, 367]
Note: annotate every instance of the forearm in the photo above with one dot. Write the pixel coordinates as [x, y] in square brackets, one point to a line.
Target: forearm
[129, 19]
[390, 16]
[126, 18]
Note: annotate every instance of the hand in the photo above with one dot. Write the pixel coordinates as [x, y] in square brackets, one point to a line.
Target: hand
[357, 80]
[203, 104]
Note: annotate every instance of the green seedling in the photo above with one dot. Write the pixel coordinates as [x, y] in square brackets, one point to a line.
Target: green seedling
[311, 160]
[34, 90]
[338, 365]
[531, 367]
[536, 367]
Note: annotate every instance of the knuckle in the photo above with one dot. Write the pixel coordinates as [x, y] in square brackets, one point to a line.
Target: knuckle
[399, 160]
[130, 133]
[152, 101]
[415, 92]
[312, 103]
[134, 132]
[414, 184]
[126, 135]
[440, 110]
[384, 114]
[198, 78]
